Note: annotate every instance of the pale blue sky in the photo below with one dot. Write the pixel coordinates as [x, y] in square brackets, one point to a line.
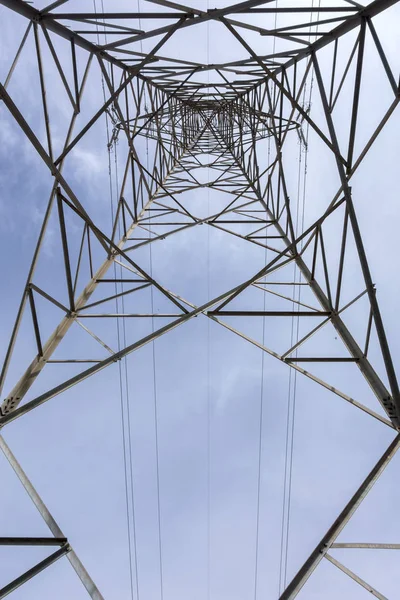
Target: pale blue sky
[71, 447]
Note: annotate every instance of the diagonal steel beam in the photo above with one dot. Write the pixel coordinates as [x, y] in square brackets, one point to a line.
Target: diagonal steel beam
[80, 570]
[23, 385]
[331, 535]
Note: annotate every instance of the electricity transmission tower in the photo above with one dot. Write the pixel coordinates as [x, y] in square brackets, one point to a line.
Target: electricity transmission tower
[172, 117]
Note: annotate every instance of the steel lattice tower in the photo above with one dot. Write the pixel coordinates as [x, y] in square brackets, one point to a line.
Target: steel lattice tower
[222, 117]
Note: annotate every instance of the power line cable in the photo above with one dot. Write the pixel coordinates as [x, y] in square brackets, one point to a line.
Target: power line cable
[156, 429]
[261, 410]
[299, 290]
[125, 427]
[132, 528]
[292, 387]
[208, 356]
[156, 424]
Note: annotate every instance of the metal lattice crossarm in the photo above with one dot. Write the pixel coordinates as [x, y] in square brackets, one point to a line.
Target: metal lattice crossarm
[172, 118]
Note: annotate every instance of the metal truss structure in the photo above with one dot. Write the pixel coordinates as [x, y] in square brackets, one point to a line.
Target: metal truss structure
[222, 117]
